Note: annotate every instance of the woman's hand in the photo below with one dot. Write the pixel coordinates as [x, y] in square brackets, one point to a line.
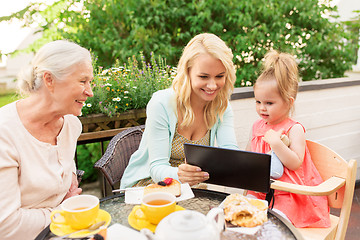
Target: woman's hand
[74, 190]
[191, 174]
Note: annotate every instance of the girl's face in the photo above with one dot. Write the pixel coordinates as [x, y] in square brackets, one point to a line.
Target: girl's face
[270, 106]
[207, 77]
[71, 92]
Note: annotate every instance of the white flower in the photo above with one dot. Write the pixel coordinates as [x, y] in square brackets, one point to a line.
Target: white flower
[88, 105]
[107, 84]
[126, 92]
[288, 25]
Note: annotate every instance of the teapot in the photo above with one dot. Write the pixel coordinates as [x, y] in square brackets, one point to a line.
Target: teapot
[190, 225]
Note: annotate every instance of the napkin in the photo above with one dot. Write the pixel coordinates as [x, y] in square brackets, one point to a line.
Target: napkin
[134, 195]
[119, 232]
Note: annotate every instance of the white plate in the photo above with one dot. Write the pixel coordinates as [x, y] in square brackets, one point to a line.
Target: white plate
[134, 195]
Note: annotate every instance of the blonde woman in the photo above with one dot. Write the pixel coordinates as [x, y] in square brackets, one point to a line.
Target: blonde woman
[195, 110]
[38, 138]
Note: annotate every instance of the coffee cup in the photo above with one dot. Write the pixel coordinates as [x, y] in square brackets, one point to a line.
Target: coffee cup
[155, 206]
[78, 212]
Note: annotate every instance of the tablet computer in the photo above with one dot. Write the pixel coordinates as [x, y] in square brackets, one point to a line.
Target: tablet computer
[232, 168]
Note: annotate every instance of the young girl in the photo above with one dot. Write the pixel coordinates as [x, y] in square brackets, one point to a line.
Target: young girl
[275, 92]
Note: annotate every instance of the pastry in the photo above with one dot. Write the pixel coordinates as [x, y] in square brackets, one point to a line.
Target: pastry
[244, 212]
[167, 185]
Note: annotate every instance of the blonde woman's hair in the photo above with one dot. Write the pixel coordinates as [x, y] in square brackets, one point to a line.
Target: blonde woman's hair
[283, 68]
[200, 44]
[57, 57]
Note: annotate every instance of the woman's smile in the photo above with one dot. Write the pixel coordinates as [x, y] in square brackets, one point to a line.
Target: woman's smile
[207, 76]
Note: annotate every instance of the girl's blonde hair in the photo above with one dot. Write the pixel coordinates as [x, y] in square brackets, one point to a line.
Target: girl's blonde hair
[57, 57]
[200, 44]
[283, 68]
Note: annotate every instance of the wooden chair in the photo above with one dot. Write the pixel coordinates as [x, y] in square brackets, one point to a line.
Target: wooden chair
[339, 183]
[116, 157]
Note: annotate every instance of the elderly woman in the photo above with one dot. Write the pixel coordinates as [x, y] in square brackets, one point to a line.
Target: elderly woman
[195, 110]
[38, 138]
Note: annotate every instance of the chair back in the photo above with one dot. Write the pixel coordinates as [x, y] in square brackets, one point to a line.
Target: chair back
[329, 164]
[117, 155]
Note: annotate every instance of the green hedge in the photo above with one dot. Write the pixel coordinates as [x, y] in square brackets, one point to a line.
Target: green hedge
[87, 155]
[118, 29]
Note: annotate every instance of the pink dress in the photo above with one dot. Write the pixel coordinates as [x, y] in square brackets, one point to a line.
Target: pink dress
[303, 211]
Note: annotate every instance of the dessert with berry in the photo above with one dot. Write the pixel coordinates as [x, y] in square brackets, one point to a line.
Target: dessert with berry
[169, 185]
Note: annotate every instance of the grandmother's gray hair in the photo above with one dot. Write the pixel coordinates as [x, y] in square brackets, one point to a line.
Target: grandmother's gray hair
[56, 57]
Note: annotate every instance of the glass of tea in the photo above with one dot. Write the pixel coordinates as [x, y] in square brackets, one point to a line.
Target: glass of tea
[78, 212]
[157, 205]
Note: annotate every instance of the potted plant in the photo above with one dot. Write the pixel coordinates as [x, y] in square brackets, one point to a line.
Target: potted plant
[122, 92]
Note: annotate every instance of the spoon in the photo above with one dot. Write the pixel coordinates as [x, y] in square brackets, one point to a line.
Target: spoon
[92, 227]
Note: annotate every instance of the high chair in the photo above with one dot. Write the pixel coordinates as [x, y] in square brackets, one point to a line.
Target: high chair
[339, 182]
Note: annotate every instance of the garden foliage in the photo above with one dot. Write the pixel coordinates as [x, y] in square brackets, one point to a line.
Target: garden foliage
[128, 86]
[87, 155]
[119, 29]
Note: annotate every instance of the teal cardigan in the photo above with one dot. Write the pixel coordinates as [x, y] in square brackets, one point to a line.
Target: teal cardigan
[152, 157]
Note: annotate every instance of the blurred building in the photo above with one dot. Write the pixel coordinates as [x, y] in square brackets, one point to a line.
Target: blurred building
[346, 10]
[11, 65]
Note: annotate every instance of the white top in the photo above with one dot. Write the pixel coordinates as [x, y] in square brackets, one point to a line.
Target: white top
[34, 176]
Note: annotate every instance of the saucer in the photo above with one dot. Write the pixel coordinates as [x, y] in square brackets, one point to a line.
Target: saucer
[63, 229]
[140, 223]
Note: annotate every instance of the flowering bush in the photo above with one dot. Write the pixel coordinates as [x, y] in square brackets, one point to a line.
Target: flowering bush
[325, 48]
[128, 86]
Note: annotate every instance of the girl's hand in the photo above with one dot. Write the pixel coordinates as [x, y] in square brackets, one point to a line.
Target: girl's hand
[291, 156]
[273, 137]
[191, 174]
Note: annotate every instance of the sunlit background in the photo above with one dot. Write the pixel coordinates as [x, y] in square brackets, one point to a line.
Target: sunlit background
[12, 34]
[13, 37]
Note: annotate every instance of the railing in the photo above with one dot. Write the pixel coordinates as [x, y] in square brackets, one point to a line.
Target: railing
[100, 128]
[328, 109]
